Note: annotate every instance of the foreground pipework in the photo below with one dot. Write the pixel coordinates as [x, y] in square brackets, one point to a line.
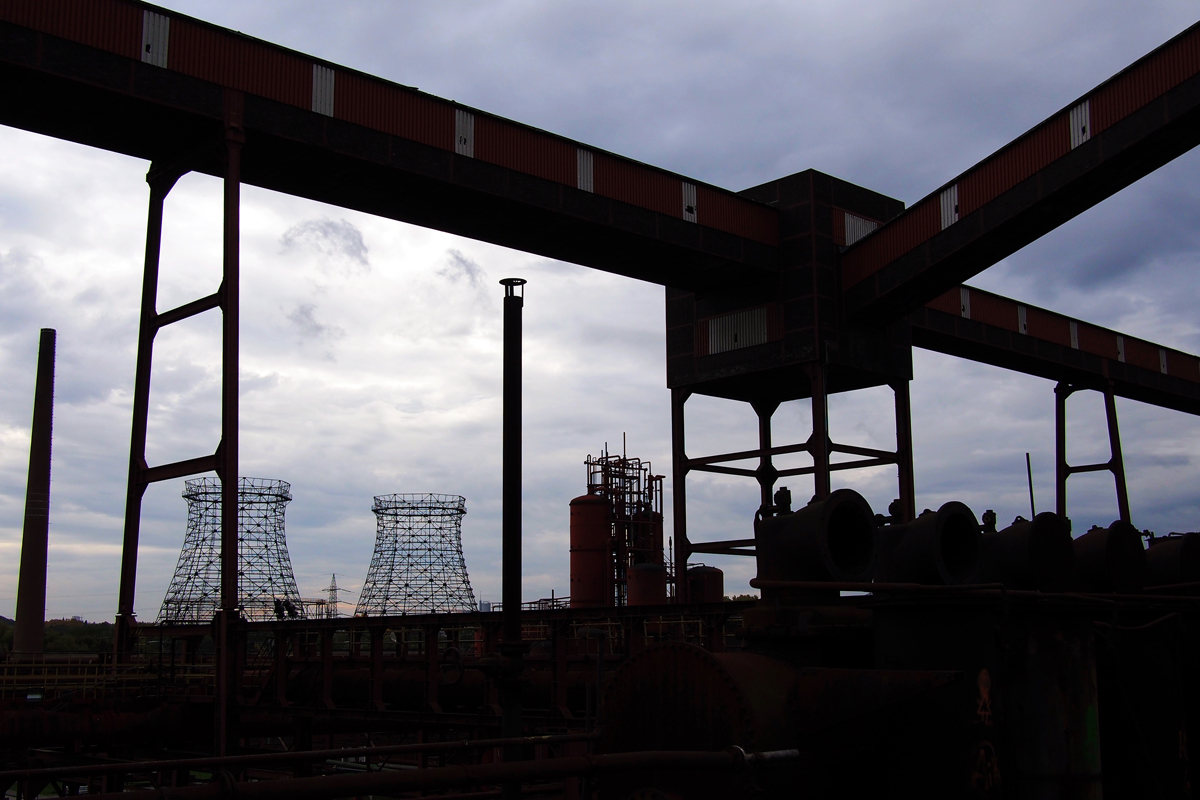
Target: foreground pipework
[1173, 559]
[1030, 554]
[939, 547]
[1110, 559]
[29, 634]
[827, 540]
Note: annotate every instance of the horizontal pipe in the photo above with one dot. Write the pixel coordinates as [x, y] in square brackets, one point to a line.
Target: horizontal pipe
[292, 755]
[732, 759]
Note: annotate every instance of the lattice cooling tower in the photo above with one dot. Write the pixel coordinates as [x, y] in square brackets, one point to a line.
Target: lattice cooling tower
[266, 585]
[418, 564]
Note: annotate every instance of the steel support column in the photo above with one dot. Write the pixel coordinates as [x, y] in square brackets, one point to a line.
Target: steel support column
[679, 472]
[161, 182]
[1063, 468]
[227, 458]
[904, 452]
[818, 445]
[766, 472]
[1118, 461]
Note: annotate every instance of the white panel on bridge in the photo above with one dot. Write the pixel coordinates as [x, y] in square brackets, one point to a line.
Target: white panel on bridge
[464, 133]
[156, 30]
[322, 98]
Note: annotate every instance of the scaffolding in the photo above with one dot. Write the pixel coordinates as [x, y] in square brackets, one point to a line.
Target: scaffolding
[266, 584]
[634, 494]
[418, 565]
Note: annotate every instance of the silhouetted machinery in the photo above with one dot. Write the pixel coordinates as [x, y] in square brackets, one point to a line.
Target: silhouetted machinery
[984, 663]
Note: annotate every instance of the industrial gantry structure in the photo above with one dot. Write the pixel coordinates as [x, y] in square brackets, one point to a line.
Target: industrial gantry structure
[968, 671]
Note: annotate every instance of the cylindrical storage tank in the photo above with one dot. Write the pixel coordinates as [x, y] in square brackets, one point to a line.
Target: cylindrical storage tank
[827, 540]
[1029, 554]
[648, 535]
[1110, 559]
[647, 585]
[939, 547]
[705, 585]
[1172, 560]
[591, 552]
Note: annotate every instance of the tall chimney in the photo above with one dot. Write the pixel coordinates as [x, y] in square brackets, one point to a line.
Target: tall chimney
[29, 635]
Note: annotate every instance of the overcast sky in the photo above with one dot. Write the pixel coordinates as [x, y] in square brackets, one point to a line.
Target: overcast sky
[371, 349]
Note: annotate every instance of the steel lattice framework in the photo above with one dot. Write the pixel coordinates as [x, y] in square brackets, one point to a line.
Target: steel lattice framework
[418, 564]
[266, 584]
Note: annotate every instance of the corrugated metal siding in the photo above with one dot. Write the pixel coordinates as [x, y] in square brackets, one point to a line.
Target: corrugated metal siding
[403, 113]
[994, 310]
[849, 228]
[892, 241]
[948, 302]
[1182, 365]
[1097, 340]
[1141, 353]
[1020, 160]
[745, 328]
[1049, 327]
[109, 25]
[634, 184]
[726, 212]
[1172, 64]
[525, 150]
[212, 55]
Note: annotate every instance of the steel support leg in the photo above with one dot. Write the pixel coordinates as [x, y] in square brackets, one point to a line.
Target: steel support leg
[227, 461]
[766, 470]
[679, 472]
[1062, 391]
[819, 443]
[161, 184]
[1117, 463]
[904, 452]
[30, 632]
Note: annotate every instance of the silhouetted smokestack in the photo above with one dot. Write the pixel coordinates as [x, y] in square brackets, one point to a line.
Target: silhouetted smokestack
[30, 630]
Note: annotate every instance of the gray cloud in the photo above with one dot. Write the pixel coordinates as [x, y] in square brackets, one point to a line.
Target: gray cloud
[460, 268]
[338, 244]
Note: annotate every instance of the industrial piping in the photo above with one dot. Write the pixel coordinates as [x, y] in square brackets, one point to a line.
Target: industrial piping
[30, 630]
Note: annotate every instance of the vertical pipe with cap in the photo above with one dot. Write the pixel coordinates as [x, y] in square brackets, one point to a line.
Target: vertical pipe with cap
[512, 647]
[29, 633]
